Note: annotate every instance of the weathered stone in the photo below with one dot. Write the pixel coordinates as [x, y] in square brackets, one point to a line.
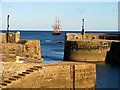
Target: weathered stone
[87, 49]
[50, 76]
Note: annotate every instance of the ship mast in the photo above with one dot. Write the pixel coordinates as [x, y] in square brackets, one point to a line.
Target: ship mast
[58, 25]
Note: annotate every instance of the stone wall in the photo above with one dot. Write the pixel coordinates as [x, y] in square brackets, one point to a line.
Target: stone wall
[55, 76]
[90, 47]
[88, 44]
[27, 48]
[11, 48]
[31, 48]
[74, 36]
[111, 36]
[17, 37]
[3, 37]
[86, 50]
[114, 53]
[10, 69]
[12, 37]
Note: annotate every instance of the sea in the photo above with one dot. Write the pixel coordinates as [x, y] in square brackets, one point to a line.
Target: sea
[108, 75]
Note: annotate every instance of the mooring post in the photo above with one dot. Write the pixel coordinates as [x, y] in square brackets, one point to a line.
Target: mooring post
[7, 27]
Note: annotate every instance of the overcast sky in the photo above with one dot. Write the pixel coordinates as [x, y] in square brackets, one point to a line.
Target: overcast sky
[42, 15]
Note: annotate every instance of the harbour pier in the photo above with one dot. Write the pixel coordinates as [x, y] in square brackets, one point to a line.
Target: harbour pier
[49, 75]
[36, 73]
[91, 47]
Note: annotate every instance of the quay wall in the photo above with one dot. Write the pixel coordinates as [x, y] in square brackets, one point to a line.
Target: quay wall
[90, 47]
[9, 69]
[27, 48]
[74, 36]
[12, 37]
[113, 54]
[56, 76]
[77, 36]
[86, 50]
[15, 45]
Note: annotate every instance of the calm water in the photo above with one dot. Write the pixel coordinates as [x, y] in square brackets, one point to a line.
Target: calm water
[107, 75]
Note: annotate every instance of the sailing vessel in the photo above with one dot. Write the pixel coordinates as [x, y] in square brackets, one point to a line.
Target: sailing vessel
[56, 28]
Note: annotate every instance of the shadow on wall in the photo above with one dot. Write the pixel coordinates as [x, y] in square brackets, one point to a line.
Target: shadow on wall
[113, 55]
[110, 36]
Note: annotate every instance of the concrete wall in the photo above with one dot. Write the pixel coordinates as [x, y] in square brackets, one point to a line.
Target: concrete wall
[57, 76]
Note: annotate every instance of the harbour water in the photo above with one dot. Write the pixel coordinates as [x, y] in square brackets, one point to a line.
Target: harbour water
[108, 75]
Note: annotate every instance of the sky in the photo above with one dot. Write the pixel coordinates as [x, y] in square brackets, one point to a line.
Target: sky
[42, 15]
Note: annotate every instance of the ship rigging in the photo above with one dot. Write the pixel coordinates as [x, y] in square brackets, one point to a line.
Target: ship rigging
[56, 28]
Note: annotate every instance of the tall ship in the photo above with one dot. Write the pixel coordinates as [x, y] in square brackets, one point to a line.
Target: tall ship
[56, 28]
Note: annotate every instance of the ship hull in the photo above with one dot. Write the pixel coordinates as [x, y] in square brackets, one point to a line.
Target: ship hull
[56, 33]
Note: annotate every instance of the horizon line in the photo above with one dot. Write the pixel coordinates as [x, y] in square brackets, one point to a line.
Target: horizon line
[51, 30]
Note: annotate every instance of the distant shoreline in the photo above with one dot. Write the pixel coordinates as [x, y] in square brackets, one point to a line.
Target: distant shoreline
[3, 31]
